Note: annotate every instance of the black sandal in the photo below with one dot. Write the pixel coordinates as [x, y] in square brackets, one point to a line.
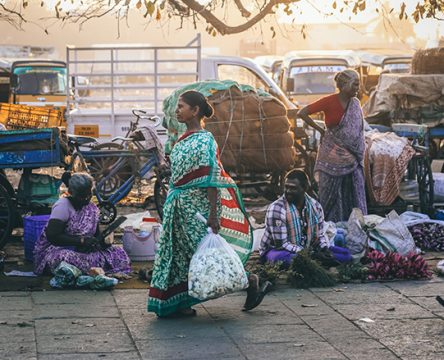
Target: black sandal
[250, 305]
[145, 274]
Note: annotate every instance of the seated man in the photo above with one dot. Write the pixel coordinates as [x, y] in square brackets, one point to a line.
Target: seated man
[293, 222]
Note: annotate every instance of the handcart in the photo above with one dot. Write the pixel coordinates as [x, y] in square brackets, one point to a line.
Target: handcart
[25, 150]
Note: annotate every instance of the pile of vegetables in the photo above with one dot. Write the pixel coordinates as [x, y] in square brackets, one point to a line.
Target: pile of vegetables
[395, 266]
[428, 236]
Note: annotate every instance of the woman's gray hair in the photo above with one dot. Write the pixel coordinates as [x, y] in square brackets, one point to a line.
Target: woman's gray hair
[345, 77]
[80, 183]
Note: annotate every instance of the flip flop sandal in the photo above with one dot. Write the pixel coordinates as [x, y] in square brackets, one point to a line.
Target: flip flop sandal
[259, 297]
[252, 293]
[145, 274]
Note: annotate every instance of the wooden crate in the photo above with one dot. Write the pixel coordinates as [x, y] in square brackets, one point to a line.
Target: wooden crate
[17, 117]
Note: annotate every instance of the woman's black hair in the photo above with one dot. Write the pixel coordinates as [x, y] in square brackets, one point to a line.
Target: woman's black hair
[194, 98]
[65, 178]
[298, 175]
[79, 183]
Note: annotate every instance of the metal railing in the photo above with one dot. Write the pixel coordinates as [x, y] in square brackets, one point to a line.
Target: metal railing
[121, 78]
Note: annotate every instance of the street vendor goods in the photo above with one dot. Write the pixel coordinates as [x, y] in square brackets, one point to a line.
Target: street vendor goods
[428, 235]
[386, 159]
[395, 266]
[215, 269]
[406, 98]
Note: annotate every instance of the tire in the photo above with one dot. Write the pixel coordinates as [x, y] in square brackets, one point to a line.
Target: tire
[99, 168]
[426, 186]
[7, 211]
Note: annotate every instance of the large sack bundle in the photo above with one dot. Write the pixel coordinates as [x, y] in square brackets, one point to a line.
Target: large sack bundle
[428, 61]
[250, 127]
[252, 131]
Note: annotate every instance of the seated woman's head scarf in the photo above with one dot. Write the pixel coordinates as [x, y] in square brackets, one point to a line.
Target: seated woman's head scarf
[80, 189]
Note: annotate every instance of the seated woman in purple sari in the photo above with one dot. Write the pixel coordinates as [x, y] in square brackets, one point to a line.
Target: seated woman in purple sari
[72, 231]
[339, 163]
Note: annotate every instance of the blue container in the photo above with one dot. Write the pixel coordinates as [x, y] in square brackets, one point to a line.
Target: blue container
[32, 229]
[439, 215]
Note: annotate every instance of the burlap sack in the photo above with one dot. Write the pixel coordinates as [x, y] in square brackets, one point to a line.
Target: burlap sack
[252, 131]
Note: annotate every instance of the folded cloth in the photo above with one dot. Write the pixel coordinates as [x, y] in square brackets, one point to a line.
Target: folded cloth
[341, 254]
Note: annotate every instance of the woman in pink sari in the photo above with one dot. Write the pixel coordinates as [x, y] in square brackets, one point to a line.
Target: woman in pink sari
[339, 164]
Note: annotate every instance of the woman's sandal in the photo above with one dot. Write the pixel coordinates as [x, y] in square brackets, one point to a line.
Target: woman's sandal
[145, 274]
[251, 303]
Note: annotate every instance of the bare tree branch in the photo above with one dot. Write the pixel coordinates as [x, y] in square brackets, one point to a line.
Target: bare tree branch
[88, 10]
[245, 13]
[225, 29]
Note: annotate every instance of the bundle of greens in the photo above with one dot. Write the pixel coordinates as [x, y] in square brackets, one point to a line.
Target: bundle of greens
[305, 272]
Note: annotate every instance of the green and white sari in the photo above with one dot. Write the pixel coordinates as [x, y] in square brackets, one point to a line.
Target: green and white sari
[195, 166]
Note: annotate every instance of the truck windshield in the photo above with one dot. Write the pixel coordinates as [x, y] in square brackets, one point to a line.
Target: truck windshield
[41, 80]
[314, 79]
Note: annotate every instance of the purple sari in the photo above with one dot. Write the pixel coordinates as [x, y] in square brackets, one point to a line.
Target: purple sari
[82, 223]
[340, 166]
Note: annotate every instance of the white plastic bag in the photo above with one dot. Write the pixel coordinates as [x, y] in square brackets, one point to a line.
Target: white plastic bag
[215, 269]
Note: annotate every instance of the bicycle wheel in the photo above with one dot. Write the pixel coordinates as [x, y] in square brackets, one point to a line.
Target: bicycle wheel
[161, 187]
[7, 211]
[100, 167]
[424, 177]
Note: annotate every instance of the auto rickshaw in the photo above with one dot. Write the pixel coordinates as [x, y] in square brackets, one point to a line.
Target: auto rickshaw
[307, 76]
[377, 62]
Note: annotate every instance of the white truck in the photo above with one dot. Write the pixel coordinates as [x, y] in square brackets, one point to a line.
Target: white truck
[126, 77]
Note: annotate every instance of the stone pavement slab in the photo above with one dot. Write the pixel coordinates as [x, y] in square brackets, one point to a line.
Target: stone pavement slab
[290, 324]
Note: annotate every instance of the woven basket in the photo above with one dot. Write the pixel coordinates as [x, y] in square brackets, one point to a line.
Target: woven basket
[428, 61]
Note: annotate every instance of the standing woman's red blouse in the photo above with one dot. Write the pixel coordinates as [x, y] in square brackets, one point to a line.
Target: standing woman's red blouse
[331, 107]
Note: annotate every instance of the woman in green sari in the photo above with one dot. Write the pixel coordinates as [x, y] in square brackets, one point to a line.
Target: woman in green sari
[198, 184]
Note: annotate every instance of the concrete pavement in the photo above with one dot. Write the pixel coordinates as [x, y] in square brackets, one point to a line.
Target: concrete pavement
[291, 324]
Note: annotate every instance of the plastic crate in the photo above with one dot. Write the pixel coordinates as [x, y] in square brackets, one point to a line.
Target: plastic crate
[32, 229]
[17, 117]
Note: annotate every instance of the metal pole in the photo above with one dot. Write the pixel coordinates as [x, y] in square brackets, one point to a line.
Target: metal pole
[156, 82]
[199, 57]
[113, 119]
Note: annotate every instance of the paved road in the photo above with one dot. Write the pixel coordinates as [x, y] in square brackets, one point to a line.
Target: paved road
[291, 324]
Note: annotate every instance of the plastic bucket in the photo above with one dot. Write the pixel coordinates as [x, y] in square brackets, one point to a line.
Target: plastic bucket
[32, 229]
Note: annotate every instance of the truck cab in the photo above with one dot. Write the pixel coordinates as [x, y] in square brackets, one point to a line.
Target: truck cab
[244, 71]
[38, 83]
[377, 62]
[309, 75]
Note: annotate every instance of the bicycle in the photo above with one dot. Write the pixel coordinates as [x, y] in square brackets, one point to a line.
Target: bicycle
[118, 166]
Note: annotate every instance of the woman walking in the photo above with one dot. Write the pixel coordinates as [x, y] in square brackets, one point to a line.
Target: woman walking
[198, 184]
[339, 163]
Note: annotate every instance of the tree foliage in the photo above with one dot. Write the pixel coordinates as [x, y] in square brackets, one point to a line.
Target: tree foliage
[216, 13]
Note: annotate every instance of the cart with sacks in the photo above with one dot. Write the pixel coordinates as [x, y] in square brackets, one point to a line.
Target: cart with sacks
[412, 106]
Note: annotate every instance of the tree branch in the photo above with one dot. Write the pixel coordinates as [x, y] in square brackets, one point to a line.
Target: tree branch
[245, 13]
[225, 29]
